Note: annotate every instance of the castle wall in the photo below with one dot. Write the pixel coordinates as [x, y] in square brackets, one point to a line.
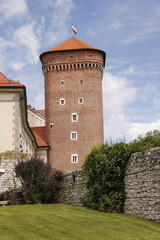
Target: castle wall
[142, 185]
[82, 56]
[73, 188]
[73, 76]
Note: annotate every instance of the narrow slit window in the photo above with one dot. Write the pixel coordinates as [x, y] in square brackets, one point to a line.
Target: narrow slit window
[74, 178]
[74, 158]
[62, 83]
[80, 100]
[81, 82]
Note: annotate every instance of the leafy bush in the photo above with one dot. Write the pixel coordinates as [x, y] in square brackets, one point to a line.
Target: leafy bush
[39, 181]
[105, 168]
[149, 140]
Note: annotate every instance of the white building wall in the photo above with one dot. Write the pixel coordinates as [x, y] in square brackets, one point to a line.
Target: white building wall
[42, 154]
[13, 131]
[7, 117]
[35, 119]
[24, 141]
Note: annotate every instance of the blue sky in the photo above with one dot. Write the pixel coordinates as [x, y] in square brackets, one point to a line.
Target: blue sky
[127, 30]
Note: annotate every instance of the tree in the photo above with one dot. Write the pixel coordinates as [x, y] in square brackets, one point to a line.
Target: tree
[149, 140]
[105, 167]
[39, 181]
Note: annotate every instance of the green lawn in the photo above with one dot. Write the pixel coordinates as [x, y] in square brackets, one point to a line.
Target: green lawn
[66, 222]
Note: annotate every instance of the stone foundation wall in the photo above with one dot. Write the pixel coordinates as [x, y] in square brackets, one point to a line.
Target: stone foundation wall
[73, 187]
[142, 185]
[8, 181]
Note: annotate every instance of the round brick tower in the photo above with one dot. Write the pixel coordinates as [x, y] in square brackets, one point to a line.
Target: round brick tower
[73, 74]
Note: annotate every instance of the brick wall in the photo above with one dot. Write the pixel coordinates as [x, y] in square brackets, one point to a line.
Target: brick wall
[81, 73]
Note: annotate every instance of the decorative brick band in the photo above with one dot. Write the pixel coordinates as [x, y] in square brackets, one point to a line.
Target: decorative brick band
[73, 66]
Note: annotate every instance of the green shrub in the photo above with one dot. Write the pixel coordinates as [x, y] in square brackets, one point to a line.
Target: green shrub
[39, 181]
[149, 140]
[105, 167]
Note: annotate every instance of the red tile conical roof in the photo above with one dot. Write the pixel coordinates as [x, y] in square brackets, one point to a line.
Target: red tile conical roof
[4, 81]
[71, 44]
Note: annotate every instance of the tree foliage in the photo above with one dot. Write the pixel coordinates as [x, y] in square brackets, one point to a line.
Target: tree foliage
[39, 181]
[105, 167]
[149, 140]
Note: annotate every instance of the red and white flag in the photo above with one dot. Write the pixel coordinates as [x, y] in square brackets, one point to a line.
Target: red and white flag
[74, 30]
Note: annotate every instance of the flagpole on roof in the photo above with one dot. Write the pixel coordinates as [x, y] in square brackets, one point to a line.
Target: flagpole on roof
[72, 31]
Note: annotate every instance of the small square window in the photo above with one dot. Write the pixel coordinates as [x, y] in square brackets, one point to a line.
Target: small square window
[62, 83]
[80, 100]
[81, 82]
[74, 158]
[74, 117]
[62, 101]
[74, 136]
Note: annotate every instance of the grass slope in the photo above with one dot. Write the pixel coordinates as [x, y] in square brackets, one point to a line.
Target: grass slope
[66, 222]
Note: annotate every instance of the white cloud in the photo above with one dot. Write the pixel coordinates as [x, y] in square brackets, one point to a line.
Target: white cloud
[127, 22]
[115, 25]
[136, 129]
[141, 22]
[149, 90]
[12, 8]
[62, 11]
[129, 71]
[116, 95]
[17, 65]
[39, 101]
[34, 82]
[156, 101]
[28, 42]
[58, 18]
[4, 46]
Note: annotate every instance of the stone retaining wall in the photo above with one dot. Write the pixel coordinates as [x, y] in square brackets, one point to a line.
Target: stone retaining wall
[8, 181]
[142, 185]
[73, 188]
